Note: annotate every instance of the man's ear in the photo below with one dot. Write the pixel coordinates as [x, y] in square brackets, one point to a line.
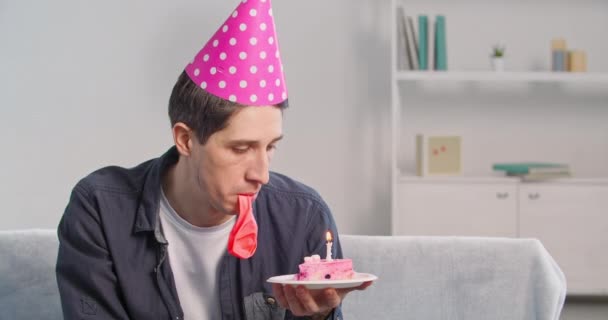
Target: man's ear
[183, 138]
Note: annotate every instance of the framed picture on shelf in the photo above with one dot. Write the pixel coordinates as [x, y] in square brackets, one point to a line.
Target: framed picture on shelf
[438, 155]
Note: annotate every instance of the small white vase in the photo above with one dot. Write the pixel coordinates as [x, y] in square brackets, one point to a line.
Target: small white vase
[498, 63]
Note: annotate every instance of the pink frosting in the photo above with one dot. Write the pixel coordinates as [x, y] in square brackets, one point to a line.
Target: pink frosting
[337, 269]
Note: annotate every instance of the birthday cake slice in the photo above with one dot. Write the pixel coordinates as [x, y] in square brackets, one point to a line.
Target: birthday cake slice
[315, 268]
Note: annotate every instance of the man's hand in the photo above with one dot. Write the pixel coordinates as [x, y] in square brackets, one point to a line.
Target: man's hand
[315, 303]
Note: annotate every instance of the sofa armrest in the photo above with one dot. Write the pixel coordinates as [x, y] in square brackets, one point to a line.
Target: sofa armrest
[454, 278]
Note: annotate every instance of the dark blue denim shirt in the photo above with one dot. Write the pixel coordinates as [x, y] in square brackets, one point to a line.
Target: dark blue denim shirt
[112, 261]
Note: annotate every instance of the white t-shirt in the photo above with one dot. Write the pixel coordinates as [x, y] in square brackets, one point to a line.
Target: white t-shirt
[194, 254]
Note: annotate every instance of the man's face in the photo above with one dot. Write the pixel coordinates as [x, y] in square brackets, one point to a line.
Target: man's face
[235, 160]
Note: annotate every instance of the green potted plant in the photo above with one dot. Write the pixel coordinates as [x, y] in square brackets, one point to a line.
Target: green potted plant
[498, 57]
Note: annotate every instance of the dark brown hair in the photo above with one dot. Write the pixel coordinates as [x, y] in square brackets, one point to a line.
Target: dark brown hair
[203, 112]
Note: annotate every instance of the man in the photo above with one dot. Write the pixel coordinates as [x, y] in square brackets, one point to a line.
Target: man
[161, 240]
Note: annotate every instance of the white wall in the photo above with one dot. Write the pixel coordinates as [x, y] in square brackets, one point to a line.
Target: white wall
[84, 84]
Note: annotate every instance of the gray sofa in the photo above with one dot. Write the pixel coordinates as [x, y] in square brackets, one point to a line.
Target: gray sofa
[419, 278]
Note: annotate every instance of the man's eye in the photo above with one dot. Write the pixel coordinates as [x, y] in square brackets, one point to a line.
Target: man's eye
[240, 149]
[271, 147]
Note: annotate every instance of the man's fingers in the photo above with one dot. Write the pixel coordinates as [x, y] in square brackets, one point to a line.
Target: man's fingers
[280, 295]
[363, 286]
[302, 301]
[306, 300]
[294, 303]
[331, 298]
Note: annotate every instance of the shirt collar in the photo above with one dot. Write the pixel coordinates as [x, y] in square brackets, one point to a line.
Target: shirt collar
[148, 209]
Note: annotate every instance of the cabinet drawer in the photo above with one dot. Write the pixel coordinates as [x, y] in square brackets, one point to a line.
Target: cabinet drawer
[456, 209]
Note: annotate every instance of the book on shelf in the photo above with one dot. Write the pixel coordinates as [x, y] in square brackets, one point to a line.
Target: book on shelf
[412, 43]
[530, 167]
[539, 176]
[441, 59]
[430, 49]
[402, 53]
[408, 46]
[402, 59]
[421, 45]
[423, 40]
[533, 171]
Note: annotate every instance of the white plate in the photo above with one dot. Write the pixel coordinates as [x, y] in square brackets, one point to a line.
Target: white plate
[356, 281]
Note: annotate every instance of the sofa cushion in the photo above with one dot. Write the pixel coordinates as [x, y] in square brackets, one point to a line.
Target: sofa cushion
[28, 287]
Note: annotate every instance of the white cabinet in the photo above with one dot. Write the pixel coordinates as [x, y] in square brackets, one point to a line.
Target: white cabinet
[571, 220]
[569, 217]
[456, 208]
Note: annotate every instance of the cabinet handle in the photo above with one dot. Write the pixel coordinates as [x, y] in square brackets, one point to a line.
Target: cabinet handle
[502, 195]
[533, 196]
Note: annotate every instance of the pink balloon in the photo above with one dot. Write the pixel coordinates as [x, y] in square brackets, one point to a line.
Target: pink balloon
[243, 239]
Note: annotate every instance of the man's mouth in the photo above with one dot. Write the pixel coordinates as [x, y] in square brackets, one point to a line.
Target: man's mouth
[253, 195]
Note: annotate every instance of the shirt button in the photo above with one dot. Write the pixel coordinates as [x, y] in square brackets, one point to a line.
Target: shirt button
[270, 300]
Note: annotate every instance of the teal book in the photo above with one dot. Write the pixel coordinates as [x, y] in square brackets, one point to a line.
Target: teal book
[423, 40]
[441, 59]
[524, 168]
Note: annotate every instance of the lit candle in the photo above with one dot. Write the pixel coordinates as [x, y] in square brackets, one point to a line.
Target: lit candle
[328, 245]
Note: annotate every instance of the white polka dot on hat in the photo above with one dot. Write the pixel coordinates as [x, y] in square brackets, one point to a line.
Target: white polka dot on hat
[236, 56]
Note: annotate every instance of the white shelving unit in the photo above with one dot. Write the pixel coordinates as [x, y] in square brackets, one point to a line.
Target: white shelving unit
[400, 77]
[481, 203]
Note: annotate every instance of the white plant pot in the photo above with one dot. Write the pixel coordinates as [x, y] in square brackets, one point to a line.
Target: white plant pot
[498, 64]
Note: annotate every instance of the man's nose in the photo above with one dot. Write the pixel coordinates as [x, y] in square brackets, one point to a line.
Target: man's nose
[258, 171]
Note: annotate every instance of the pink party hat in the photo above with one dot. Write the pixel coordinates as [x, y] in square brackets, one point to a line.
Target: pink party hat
[241, 62]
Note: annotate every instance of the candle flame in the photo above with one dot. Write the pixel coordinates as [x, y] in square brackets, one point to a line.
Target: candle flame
[328, 236]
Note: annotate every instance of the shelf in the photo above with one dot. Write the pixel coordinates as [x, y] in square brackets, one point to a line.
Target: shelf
[456, 179]
[496, 179]
[570, 77]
